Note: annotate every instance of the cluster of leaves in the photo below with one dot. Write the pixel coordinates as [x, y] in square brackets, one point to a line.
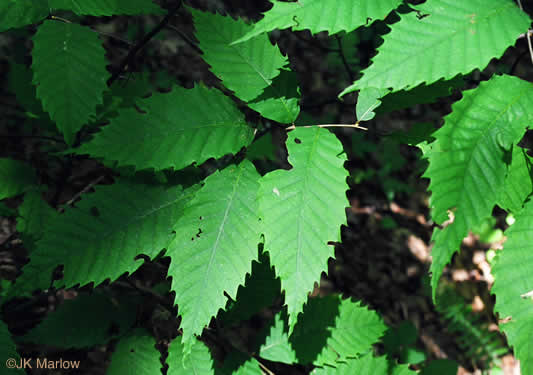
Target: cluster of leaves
[217, 230]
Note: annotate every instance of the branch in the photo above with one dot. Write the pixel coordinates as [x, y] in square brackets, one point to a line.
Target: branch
[133, 52]
[344, 61]
[79, 194]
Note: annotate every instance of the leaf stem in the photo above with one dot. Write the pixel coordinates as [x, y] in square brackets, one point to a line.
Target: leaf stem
[528, 35]
[355, 126]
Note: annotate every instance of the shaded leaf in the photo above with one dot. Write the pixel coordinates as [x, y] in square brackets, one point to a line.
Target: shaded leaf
[8, 348]
[70, 74]
[421, 94]
[331, 330]
[85, 321]
[17, 177]
[367, 365]
[260, 290]
[247, 68]
[238, 363]
[18, 13]
[280, 100]
[135, 354]
[276, 347]
[198, 361]
[178, 128]
[107, 7]
[518, 184]
[101, 238]
[34, 214]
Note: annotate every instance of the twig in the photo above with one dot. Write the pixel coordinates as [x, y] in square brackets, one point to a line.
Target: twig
[314, 43]
[528, 34]
[356, 126]
[133, 52]
[264, 368]
[83, 191]
[60, 19]
[125, 41]
[344, 61]
[33, 136]
[185, 38]
[96, 31]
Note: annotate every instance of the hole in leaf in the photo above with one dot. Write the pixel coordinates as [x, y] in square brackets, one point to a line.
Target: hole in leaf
[296, 140]
[201, 218]
[199, 232]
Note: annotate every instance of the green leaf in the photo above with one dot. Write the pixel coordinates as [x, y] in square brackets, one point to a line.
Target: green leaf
[260, 290]
[70, 74]
[280, 100]
[303, 209]
[5, 211]
[518, 184]
[199, 360]
[18, 13]
[178, 128]
[85, 321]
[135, 354]
[20, 84]
[107, 7]
[367, 102]
[276, 347]
[442, 39]
[17, 177]
[241, 364]
[216, 241]
[367, 365]
[419, 133]
[441, 367]
[246, 68]
[513, 280]
[331, 330]
[101, 238]
[421, 94]
[467, 162]
[262, 149]
[283, 110]
[34, 214]
[8, 347]
[332, 16]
